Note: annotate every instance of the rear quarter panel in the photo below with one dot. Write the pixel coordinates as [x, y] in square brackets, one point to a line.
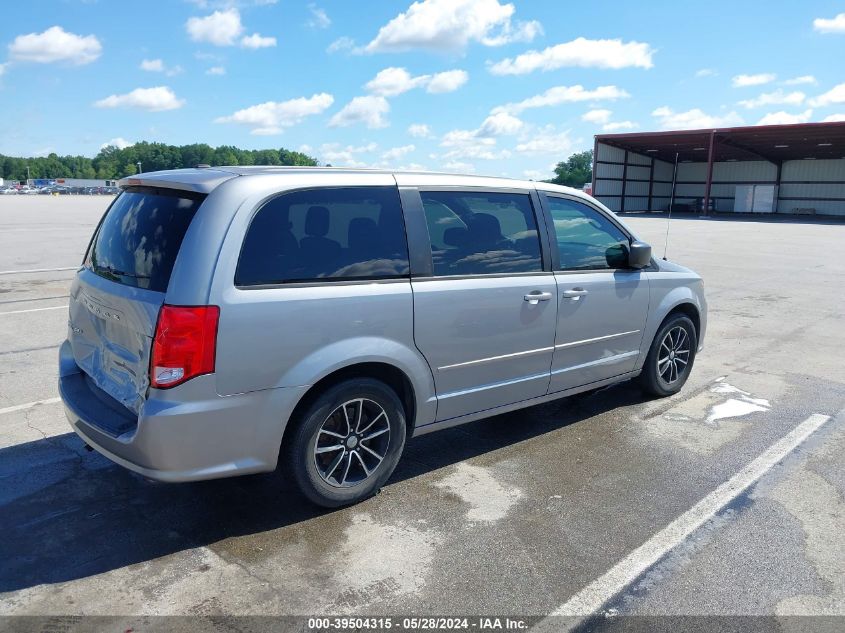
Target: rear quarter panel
[296, 334]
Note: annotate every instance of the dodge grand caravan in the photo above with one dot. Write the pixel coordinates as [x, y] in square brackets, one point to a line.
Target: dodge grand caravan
[227, 319]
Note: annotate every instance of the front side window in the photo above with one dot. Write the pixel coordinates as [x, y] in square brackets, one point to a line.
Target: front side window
[343, 233]
[586, 240]
[481, 233]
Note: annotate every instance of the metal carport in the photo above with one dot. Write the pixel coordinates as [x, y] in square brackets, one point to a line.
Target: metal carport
[805, 163]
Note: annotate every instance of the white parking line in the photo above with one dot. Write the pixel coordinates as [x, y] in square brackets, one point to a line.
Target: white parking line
[36, 270]
[591, 598]
[34, 310]
[28, 405]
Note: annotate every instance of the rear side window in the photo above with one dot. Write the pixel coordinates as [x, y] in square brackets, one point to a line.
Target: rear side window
[140, 235]
[342, 233]
[586, 239]
[478, 233]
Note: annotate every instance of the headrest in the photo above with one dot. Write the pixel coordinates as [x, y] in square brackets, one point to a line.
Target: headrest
[317, 221]
[456, 236]
[363, 233]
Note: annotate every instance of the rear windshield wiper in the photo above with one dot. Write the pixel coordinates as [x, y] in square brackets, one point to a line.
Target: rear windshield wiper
[121, 273]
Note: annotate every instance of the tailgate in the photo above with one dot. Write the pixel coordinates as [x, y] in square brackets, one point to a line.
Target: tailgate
[110, 331]
[116, 297]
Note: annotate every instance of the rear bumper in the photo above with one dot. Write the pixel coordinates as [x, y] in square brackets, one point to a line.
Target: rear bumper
[188, 433]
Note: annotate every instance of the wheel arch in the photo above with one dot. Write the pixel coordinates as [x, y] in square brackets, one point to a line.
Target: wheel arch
[680, 300]
[389, 374]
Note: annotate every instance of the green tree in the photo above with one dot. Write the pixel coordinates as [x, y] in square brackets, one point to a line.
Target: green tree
[576, 171]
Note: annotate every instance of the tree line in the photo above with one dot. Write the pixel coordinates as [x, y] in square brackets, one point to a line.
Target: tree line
[112, 162]
[575, 171]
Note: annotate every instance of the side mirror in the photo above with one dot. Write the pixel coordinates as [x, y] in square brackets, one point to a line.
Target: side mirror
[639, 255]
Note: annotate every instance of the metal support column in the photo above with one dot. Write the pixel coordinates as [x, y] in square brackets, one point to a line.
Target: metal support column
[650, 183]
[624, 183]
[595, 164]
[709, 182]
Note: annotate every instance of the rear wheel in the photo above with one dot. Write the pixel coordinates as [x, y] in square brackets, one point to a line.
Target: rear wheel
[670, 357]
[347, 443]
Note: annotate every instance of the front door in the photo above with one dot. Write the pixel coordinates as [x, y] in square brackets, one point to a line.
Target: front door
[485, 320]
[602, 304]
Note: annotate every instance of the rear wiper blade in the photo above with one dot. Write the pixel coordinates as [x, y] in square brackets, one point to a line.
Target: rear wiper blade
[122, 273]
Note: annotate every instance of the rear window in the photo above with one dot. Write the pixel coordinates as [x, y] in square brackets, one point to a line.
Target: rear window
[140, 235]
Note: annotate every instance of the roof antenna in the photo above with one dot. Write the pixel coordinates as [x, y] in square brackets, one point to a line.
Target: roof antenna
[671, 204]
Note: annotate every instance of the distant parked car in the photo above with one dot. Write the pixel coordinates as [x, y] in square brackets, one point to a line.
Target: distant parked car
[8, 191]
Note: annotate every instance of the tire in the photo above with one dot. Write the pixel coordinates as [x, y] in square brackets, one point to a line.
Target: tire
[358, 474]
[664, 373]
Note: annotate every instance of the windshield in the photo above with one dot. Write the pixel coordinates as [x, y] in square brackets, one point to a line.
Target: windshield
[139, 238]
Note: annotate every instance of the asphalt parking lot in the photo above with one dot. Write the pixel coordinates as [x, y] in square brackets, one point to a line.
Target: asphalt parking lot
[514, 515]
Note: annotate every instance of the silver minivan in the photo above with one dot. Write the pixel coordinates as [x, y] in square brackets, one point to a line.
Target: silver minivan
[228, 319]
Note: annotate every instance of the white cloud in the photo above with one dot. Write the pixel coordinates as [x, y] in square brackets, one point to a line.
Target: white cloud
[450, 25]
[118, 142]
[535, 174]
[830, 25]
[341, 44]
[831, 97]
[319, 18]
[3, 69]
[596, 116]
[521, 32]
[394, 81]
[615, 126]
[464, 144]
[158, 66]
[221, 28]
[547, 142]
[227, 4]
[257, 41]
[500, 124]
[743, 81]
[785, 118]
[803, 79]
[447, 81]
[564, 94]
[216, 70]
[55, 45]
[152, 65]
[272, 117]
[335, 154]
[155, 99]
[459, 167]
[413, 167]
[778, 97]
[693, 119]
[369, 110]
[419, 130]
[706, 72]
[834, 118]
[580, 52]
[396, 153]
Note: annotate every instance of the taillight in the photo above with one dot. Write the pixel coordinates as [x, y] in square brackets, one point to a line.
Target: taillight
[184, 344]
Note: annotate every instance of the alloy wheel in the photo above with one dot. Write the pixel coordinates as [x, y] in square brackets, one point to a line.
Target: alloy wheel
[352, 443]
[674, 354]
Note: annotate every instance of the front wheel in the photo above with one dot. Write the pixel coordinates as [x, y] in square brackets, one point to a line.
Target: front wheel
[670, 357]
[347, 443]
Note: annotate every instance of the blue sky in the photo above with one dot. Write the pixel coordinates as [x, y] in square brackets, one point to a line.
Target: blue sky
[482, 86]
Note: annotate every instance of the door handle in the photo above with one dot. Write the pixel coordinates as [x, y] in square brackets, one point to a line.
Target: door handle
[575, 293]
[533, 298]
